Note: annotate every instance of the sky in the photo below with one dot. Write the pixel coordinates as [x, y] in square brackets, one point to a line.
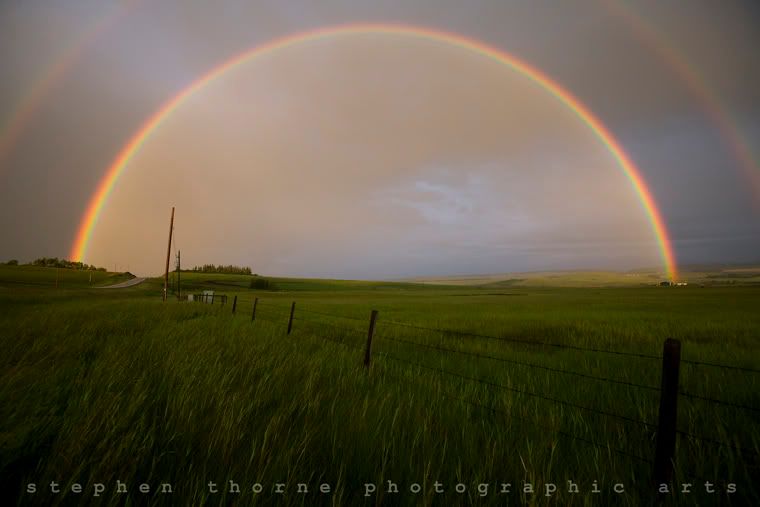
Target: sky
[381, 155]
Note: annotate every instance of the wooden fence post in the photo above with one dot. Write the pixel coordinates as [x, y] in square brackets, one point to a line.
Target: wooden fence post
[234, 304]
[368, 350]
[212, 298]
[666, 425]
[253, 314]
[290, 321]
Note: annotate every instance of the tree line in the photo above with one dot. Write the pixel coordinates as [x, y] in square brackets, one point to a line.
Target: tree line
[55, 262]
[229, 269]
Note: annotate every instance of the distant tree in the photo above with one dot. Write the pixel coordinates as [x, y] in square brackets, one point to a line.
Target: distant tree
[12, 262]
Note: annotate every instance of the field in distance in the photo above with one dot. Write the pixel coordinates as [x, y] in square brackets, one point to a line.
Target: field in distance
[700, 275]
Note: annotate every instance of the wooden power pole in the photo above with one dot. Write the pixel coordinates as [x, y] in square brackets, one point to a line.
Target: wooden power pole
[179, 269]
[168, 254]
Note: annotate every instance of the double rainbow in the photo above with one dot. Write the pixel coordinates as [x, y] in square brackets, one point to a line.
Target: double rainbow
[106, 185]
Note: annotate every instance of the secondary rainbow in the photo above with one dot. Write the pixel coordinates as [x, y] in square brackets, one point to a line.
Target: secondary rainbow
[26, 108]
[710, 102]
[105, 187]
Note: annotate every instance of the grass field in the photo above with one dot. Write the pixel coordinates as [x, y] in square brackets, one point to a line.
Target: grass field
[11, 276]
[695, 275]
[99, 386]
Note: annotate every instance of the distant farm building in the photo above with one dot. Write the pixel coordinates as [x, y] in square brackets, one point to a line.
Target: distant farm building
[667, 283]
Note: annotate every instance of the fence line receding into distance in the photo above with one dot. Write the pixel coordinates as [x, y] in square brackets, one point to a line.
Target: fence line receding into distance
[665, 429]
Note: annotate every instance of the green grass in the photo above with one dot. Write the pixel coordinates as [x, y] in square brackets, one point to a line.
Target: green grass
[11, 276]
[97, 386]
[226, 283]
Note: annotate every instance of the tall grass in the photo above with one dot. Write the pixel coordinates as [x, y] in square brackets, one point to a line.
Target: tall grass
[95, 389]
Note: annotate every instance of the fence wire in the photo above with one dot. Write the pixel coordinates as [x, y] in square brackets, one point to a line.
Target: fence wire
[329, 324]
[718, 402]
[521, 391]
[532, 422]
[521, 363]
[357, 319]
[284, 311]
[333, 340]
[718, 443]
[723, 366]
[525, 342]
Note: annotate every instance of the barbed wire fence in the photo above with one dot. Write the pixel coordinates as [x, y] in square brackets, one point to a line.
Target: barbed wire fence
[664, 431]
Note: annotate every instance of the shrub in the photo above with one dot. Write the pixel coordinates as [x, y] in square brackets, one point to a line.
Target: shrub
[55, 262]
[262, 283]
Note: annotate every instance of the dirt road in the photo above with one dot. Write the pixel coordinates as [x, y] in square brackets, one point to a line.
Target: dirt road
[129, 283]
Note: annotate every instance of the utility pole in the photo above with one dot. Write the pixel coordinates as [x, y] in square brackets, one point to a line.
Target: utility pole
[168, 254]
[179, 293]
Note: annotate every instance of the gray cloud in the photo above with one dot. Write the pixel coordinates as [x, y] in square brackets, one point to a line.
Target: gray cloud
[380, 156]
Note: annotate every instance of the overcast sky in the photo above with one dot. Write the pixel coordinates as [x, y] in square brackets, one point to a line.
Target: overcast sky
[377, 156]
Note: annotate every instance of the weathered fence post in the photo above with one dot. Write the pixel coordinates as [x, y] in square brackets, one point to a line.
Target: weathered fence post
[290, 321]
[234, 304]
[666, 425]
[253, 314]
[368, 350]
[212, 298]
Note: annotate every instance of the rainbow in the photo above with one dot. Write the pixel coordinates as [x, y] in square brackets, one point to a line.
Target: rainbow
[708, 100]
[106, 185]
